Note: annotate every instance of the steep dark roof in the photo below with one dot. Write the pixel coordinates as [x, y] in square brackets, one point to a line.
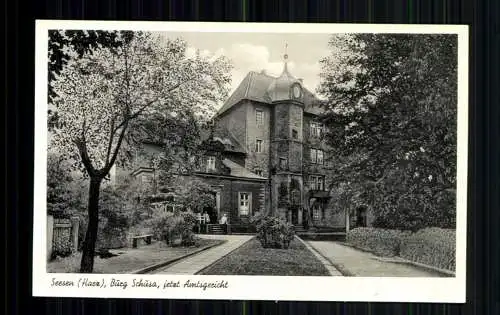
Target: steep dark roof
[254, 87]
[239, 171]
[229, 141]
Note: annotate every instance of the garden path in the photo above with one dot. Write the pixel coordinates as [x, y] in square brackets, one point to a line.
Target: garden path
[195, 263]
[363, 264]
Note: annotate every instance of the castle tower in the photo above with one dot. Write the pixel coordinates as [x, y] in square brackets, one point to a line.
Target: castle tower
[286, 96]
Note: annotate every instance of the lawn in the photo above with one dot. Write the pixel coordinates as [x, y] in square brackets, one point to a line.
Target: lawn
[128, 260]
[252, 259]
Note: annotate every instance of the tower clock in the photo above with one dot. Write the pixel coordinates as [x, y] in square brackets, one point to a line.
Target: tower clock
[296, 91]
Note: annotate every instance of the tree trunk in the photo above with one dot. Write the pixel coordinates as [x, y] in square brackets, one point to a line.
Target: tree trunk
[87, 263]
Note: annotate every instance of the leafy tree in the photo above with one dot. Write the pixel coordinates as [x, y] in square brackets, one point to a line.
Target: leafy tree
[63, 191]
[67, 44]
[182, 139]
[195, 195]
[102, 96]
[391, 108]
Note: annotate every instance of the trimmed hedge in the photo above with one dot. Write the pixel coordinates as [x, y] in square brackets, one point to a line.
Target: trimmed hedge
[379, 241]
[431, 246]
[243, 228]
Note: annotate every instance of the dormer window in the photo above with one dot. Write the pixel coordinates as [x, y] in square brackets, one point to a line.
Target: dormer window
[147, 178]
[210, 163]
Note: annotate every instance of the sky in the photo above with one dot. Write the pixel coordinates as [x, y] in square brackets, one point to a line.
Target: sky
[262, 51]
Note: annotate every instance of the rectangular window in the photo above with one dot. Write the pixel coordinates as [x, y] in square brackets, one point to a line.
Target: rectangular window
[244, 203]
[295, 134]
[314, 156]
[316, 212]
[317, 156]
[316, 129]
[283, 163]
[258, 146]
[259, 117]
[211, 163]
[317, 182]
[312, 182]
[170, 204]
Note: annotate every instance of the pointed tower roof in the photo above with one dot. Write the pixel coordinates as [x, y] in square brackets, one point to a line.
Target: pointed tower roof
[263, 88]
[279, 89]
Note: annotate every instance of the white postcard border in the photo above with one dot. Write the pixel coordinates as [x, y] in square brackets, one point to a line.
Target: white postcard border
[376, 289]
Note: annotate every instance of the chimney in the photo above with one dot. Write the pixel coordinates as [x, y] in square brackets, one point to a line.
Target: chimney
[301, 80]
[263, 71]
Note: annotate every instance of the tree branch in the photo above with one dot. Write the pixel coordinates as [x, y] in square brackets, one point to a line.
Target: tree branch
[145, 106]
[82, 149]
[115, 152]
[111, 137]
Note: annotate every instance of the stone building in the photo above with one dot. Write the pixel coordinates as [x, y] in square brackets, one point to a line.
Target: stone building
[270, 156]
[275, 120]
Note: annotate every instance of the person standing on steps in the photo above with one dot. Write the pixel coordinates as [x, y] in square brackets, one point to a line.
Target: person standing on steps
[223, 222]
[206, 218]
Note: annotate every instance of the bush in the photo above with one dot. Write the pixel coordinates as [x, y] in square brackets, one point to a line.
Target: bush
[61, 243]
[70, 264]
[174, 227]
[379, 241]
[273, 232]
[431, 246]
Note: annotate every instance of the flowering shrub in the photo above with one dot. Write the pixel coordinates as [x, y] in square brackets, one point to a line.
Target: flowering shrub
[379, 241]
[273, 232]
[431, 246]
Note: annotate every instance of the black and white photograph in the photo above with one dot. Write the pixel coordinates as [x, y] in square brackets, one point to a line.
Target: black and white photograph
[251, 160]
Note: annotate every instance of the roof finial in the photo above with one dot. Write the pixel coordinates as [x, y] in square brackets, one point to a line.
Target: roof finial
[285, 60]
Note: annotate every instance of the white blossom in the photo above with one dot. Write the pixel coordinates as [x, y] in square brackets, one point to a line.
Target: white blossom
[100, 93]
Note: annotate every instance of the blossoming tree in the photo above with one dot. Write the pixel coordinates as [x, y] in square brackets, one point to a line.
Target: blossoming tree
[101, 96]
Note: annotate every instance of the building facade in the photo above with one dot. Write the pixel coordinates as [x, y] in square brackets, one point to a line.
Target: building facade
[275, 119]
[267, 155]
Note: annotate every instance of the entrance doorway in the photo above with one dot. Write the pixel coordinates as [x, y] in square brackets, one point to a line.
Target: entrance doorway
[361, 216]
[212, 213]
[295, 214]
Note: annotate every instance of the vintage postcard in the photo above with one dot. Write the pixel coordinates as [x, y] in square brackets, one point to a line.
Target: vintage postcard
[322, 162]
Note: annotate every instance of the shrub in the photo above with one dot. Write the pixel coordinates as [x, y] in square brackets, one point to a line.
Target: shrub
[273, 232]
[173, 227]
[70, 264]
[379, 241]
[61, 243]
[431, 246]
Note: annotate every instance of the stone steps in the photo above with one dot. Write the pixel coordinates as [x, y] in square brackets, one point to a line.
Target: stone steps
[215, 229]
